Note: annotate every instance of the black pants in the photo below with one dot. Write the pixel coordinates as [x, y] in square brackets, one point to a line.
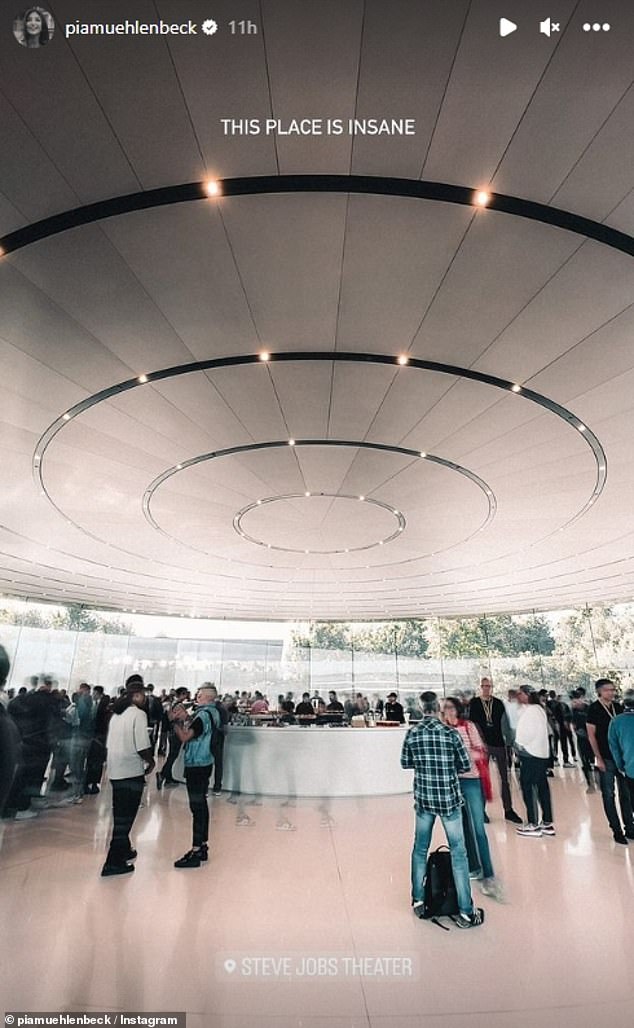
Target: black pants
[29, 777]
[587, 760]
[533, 781]
[498, 754]
[197, 780]
[561, 742]
[218, 749]
[174, 750]
[126, 797]
[95, 761]
[607, 780]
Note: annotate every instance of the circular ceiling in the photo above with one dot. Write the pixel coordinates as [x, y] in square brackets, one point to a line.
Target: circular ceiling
[322, 393]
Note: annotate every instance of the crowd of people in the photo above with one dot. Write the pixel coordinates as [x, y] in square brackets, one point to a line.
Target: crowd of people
[450, 751]
[54, 747]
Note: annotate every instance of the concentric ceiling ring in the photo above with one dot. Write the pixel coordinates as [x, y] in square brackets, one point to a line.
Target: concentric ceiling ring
[283, 444]
[414, 189]
[413, 363]
[267, 500]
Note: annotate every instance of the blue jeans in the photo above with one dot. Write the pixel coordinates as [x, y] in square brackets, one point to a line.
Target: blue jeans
[474, 801]
[452, 823]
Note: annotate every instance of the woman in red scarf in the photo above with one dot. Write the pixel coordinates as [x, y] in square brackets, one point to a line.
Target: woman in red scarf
[475, 786]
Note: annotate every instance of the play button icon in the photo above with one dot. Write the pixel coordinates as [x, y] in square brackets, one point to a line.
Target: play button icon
[506, 27]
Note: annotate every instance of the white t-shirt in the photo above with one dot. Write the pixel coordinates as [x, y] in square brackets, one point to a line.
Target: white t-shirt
[532, 730]
[127, 734]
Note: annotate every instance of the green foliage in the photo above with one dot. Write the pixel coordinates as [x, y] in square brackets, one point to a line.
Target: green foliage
[72, 618]
[500, 635]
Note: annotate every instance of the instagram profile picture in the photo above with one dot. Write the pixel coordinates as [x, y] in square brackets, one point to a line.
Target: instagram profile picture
[34, 27]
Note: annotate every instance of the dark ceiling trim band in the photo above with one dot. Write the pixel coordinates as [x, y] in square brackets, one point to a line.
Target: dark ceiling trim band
[360, 184]
[297, 443]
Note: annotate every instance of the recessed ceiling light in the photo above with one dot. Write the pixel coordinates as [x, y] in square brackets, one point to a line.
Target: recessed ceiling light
[482, 198]
[422, 453]
[66, 417]
[142, 379]
[362, 497]
[264, 355]
[212, 187]
[179, 467]
[516, 388]
[582, 428]
[307, 494]
[291, 442]
[403, 359]
[258, 502]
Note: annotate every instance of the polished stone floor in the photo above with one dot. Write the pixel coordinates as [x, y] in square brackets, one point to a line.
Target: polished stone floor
[307, 880]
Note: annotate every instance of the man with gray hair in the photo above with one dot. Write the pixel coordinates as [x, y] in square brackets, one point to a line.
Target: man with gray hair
[437, 755]
[621, 741]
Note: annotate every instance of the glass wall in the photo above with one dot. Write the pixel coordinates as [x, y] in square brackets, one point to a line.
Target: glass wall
[558, 650]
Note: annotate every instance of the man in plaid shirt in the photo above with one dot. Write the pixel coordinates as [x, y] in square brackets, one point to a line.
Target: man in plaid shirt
[437, 754]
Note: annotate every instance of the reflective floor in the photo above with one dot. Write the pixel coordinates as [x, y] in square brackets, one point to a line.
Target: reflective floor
[296, 901]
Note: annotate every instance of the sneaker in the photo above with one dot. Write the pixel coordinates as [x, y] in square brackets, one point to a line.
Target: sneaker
[216, 792]
[491, 887]
[245, 821]
[475, 875]
[469, 920]
[419, 908]
[25, 815]
[191, 859]
[170, 784]
[569, 763]
[203, 852]
[619, 837]
[530, 830]
[590, 790]
[629, 833]
[285, 826]
[132, 855]
[550, 774]
[116, 869]
[548, 829]
[510, 815]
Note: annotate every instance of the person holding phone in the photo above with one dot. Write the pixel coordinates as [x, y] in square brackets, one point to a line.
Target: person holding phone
[130, 758]
[195, 733]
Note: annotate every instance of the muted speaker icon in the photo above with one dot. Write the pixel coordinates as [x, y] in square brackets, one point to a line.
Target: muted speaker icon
[548, 26]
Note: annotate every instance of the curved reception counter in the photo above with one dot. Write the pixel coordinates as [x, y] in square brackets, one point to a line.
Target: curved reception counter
[296, 761]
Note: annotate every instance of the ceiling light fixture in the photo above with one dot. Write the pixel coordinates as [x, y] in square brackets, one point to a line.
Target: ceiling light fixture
[264, 355]
[291, 442]
[66, 416]
[482, 198]
[582, 428]
[422, 453]
[403, 359]
[212, 187]
[362, 497]
[516, 388]
[142, 379]
[306, 494]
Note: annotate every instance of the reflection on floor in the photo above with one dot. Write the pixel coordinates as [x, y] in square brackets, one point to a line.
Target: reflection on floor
[303, 880]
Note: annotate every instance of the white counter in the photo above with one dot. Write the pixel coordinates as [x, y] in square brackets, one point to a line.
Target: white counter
[294, 761]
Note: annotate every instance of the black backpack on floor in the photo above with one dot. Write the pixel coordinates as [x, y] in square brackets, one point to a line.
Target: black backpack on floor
[439, 890]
